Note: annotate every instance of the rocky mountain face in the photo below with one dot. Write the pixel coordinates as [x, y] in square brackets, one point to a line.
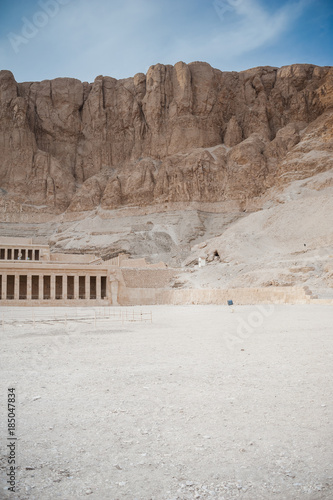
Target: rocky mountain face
[183, 133]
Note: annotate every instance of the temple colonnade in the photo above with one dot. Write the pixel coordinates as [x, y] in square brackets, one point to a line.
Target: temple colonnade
[50, 286]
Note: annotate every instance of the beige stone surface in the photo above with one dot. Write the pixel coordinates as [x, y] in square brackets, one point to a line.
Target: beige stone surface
[150, 294]
[255, 248]
[180, 133]
[288, 242]
[148, 278]
[158, 165]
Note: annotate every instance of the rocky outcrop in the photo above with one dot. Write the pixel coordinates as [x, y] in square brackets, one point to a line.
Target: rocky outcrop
[180, 133]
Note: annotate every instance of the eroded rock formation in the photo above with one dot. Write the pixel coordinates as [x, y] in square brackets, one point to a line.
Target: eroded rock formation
[179, 133]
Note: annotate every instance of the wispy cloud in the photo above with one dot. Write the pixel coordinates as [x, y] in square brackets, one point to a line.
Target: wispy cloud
[122, 37]
[245, 25]
[258, 27]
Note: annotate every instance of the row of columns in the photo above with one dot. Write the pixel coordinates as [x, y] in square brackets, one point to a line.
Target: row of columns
[19, 254]
[53, 289]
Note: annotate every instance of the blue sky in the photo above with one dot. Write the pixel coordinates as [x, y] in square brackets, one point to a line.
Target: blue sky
[44, 39]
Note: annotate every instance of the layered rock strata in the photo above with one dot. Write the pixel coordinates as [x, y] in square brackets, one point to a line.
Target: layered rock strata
[183, 133]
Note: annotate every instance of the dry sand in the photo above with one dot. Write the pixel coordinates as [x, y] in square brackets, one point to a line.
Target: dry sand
[204, 402]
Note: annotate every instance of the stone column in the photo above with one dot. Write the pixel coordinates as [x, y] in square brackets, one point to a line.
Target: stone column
[87, 283]
[40, 287]
[64, 287]
[98, 287]
[16, 287]
[29, 286]
[108, 289]
[76, 287]
[52, 291]
[4, 287]
[114, 290]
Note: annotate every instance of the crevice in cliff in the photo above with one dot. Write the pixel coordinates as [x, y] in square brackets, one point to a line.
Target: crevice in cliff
[103, 94]
[51, 93]
[275, 78]
[80, 110]
[38, 131]
[144, 125]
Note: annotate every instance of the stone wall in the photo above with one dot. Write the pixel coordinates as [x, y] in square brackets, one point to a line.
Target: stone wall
[141, 263]
[72, 258]
[147, 278]
[240, 296]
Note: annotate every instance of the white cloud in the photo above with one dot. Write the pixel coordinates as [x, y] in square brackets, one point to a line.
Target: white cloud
[245, 26]
[122, 37]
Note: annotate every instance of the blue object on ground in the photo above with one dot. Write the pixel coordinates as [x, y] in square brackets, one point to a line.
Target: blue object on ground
[230, 302]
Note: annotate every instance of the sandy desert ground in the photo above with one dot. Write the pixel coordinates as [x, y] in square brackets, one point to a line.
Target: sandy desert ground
[203, 402]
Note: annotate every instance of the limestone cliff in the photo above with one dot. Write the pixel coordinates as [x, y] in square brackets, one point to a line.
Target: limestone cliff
[178, 134]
